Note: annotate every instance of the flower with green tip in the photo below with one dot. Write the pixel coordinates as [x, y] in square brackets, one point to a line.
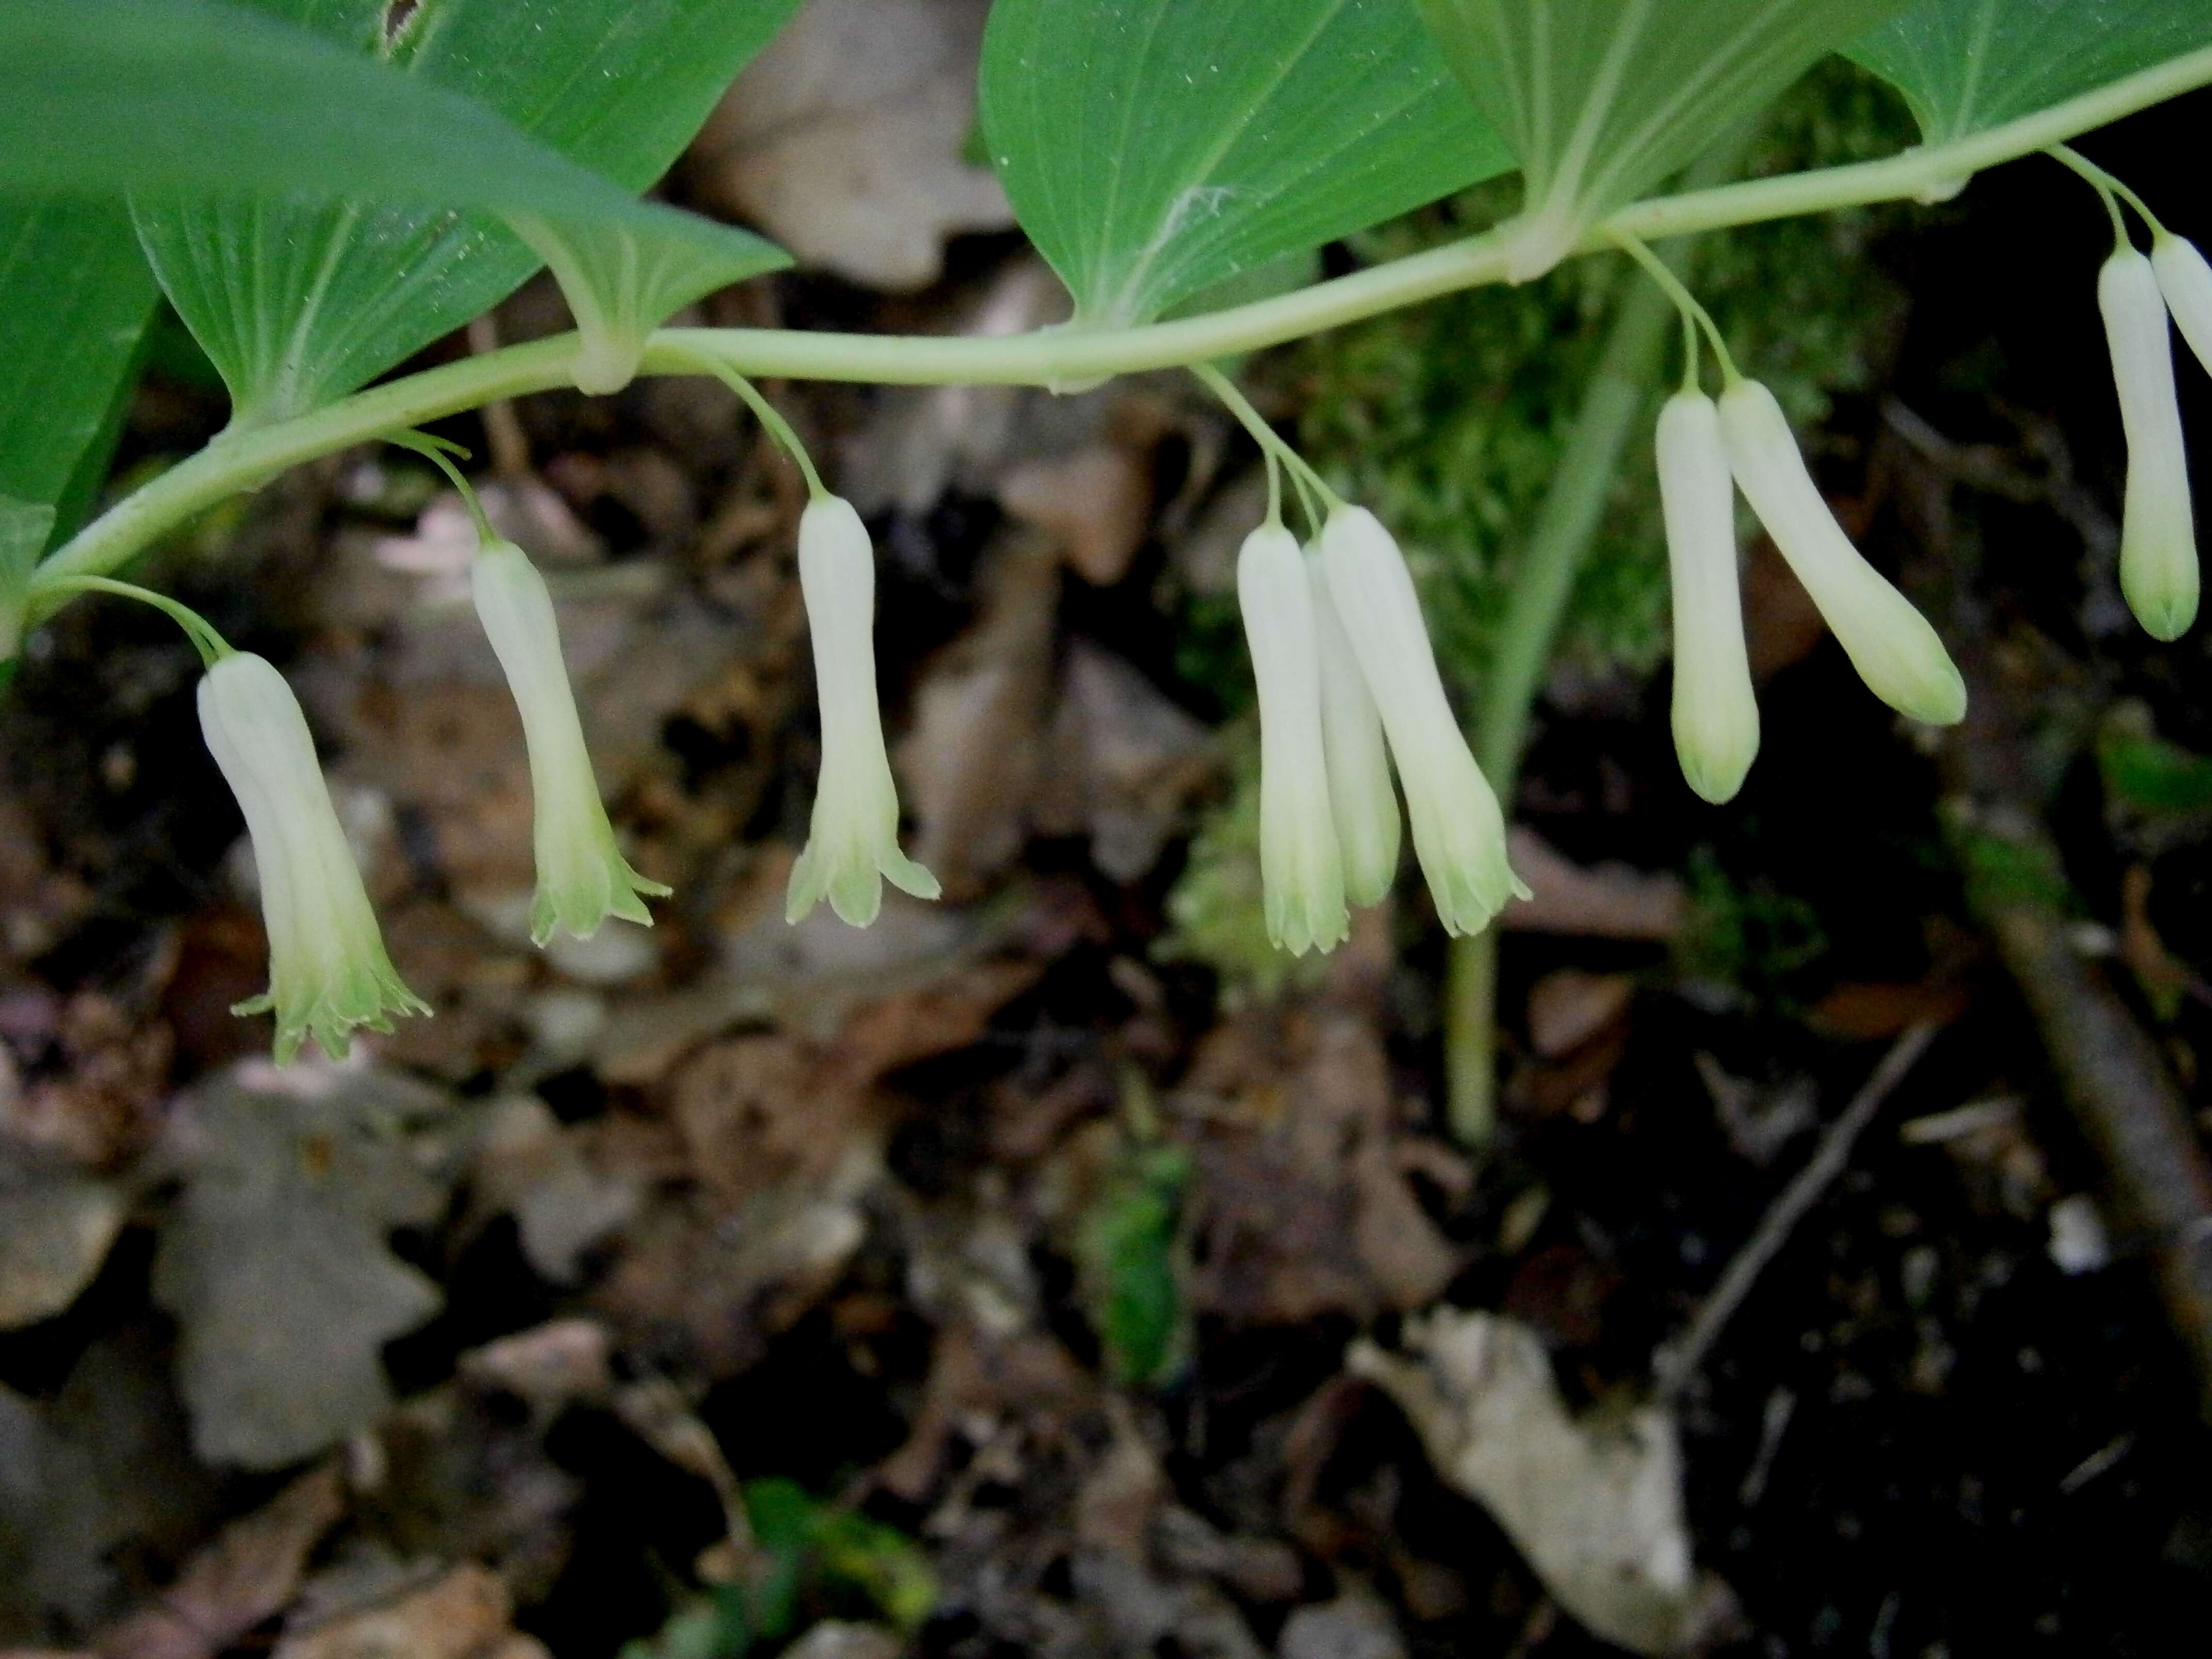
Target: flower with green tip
[1895, 651]
[2186, 280]
[1301, 874]
[2158, 530]
[1361, 799]
[1459, 834]
[853, 845]
[1716, 716]
[328, 968]
[582, 877]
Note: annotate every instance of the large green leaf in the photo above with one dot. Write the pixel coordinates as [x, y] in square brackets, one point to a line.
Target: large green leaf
[75, 299]
[300, 303]
[1153, 149]
[1967, 64]
[1602, 99]
[199, 103]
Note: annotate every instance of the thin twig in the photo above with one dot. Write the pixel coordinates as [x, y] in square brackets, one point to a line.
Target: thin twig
[1677, 1362]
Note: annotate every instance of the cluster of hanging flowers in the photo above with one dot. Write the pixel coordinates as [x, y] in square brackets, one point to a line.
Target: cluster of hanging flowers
[1708, 451]
[329, 972]
[1348, 684]
[2137, 294]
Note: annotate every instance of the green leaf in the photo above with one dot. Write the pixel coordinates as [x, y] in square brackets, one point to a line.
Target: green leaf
[1153, 149]
[1967, 64]
[24, 527]
[298, 300]
[75, 299]
[1127, 1247]
[2154, 773]
[1602, 99]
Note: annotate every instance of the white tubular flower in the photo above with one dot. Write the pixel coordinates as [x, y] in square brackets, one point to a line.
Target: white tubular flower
[328, 969]
[582, 877]
[2158, 534]
[1716, 716]
[1361, 800]
[1300, 869]
[1459, 834]
[1895, 651]
[2186, 280]
[854, 842]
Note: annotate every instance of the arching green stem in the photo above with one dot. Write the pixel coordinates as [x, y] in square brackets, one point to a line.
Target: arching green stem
[211, 645]
[440, 453]
[772, 418]
[2108, 187]
[243, 459]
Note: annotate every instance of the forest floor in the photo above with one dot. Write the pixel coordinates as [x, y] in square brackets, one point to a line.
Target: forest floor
[1027, 1275]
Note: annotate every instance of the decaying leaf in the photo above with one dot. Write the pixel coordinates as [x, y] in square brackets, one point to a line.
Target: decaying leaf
[251, 1569]
[1594, 1506]
[1302, 1201]
[842, 139]
[55, 1227]
[276, 1262]
[1124, 760]
[462, 1615]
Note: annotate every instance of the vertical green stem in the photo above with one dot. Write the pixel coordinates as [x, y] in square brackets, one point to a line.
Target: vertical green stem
[1615, 399]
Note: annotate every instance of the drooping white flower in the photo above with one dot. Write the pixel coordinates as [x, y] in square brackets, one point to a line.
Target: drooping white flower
[1895, 651]
[582, 877]
[2186, 280]
[1716, 716]
[1361, 799]
[328, 968]
[1301, 870]
[1459, 834]
[854, 843]
[2158, 533]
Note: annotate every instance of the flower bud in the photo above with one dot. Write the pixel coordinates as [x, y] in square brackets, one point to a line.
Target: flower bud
[1300, 869]
[854, 842]
[2186, 280]
[1459, 834]
[1716, 716]
[328, 969]
[1361, 799]
[2158, 531]
[582, 877]
[1895, 651]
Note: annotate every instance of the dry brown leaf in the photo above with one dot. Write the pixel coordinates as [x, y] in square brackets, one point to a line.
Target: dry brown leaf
[842, 139]
[1611, 901]
[56, 1225]
[968, 767]
[463, 1615]
[250, 1572]
[1097, 503]
[1301, 1198]
[1594, 1506]
[1568, 1006]
[1122, 763]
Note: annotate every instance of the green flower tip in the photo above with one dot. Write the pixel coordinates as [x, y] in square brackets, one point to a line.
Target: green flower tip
[328, 968]
[852, 846]
[582, 877]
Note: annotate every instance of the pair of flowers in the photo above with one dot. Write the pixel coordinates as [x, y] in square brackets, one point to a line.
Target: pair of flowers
[2158, 533]
[328, 968]
[328, 971]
